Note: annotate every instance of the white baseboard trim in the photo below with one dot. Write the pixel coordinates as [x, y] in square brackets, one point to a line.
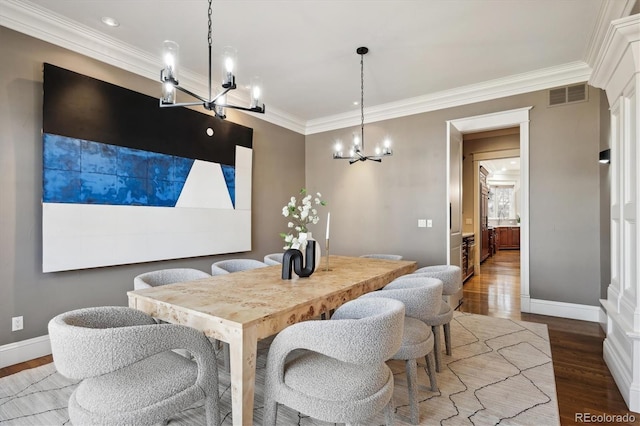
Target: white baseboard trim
[630, 393]
[603, 315]
[616, 367]
[25, 350]
[565, 310]
[525, 303]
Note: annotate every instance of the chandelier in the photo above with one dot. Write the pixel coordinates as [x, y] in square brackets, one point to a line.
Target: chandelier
[217, 103]
[356, 153]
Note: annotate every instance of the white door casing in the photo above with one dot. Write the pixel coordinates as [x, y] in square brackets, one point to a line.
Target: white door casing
[500, 120]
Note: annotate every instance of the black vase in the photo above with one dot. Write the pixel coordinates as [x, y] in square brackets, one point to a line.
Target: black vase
[292, 259]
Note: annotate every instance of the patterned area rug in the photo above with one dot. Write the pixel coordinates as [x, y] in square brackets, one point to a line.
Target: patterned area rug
[500, 372]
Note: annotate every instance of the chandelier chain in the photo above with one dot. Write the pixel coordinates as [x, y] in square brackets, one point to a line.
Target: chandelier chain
[209, 36]
[362, 101]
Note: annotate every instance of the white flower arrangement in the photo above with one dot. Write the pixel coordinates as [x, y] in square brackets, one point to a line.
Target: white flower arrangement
[301, 215]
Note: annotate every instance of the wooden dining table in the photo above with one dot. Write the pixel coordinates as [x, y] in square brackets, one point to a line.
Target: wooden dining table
[243, 307]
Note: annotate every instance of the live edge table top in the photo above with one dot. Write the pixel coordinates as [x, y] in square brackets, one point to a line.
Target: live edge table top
[261, 298]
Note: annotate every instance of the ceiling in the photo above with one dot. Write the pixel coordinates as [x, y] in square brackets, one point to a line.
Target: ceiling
[423, 54]
[502, 166]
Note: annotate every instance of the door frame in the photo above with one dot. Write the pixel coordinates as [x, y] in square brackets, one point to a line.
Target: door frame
[493, 121]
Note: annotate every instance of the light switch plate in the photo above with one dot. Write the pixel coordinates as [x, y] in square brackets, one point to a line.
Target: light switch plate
[468, 221]
[422, 223]
[429, 223]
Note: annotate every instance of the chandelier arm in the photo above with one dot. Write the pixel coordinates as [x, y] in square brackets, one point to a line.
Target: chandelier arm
[219, 95]
[254, 109]
[181, 104]
[190, 93]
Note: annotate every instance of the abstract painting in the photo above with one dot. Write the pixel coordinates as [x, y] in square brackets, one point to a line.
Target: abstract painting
[123, 184]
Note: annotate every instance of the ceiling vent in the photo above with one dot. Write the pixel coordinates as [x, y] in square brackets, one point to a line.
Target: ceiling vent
[568, 94]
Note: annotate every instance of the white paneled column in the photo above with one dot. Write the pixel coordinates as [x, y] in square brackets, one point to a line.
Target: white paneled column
[617, 70]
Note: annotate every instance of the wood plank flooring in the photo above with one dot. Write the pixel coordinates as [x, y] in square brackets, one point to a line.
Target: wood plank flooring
[583, 381]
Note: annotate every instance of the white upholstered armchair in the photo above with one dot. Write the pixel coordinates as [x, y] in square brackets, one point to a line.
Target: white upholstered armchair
[129, 373]
[338, 371]
[235, 265]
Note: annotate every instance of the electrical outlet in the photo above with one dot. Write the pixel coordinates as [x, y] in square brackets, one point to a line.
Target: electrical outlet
[422, 223]
[16, 323]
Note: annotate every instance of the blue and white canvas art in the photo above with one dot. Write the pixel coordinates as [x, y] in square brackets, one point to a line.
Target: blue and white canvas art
[117, 203]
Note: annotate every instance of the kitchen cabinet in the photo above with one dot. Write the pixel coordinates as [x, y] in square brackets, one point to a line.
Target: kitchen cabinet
[484, 215]
[468, 255]
[492, 241]
[508, 237]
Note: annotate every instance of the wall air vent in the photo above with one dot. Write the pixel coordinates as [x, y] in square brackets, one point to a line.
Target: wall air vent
[568, 94]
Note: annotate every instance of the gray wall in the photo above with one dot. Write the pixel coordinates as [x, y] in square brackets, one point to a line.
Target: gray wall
[278, 173]
[375, 207]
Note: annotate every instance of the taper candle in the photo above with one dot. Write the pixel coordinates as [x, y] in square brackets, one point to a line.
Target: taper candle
[328, 222]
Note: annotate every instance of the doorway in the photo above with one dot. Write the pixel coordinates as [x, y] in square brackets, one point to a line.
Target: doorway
[499, 120]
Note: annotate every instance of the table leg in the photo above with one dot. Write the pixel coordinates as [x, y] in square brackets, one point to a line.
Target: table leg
[243, 349]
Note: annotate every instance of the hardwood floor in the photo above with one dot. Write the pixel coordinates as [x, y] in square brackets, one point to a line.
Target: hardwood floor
[583, 381]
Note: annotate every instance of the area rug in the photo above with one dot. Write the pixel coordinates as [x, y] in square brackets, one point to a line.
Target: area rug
[500, 372]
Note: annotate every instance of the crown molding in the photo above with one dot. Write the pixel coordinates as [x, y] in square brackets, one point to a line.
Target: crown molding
[35, 21]
[621, 41]
[610, 10]
[574, 72]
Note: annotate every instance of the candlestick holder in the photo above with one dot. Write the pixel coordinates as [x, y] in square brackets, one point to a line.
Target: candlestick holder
[326, 246]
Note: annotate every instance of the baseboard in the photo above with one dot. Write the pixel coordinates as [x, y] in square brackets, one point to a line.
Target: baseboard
[25, 350]
[525, 303]
[603, 315]
[616, 367]
[565, 310]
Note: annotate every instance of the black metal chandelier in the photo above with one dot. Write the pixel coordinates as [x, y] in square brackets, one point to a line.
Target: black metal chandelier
[217, 103]
[356, 153]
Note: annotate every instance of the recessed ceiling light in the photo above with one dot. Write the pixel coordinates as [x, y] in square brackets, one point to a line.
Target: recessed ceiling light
[111, 22]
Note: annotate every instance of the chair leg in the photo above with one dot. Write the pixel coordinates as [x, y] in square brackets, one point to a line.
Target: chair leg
[431, 369]
[447, 337]
[388, 413]
[270, 412]
[412, 384]
[212, 410]
[436, 345]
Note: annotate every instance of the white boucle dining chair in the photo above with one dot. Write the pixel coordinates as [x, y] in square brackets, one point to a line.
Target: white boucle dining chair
[167, 276]
[128, 371]
[421, 297]
[383, 256]
[235, 265]
[451, 277]
[273, 259]
[338, 372]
